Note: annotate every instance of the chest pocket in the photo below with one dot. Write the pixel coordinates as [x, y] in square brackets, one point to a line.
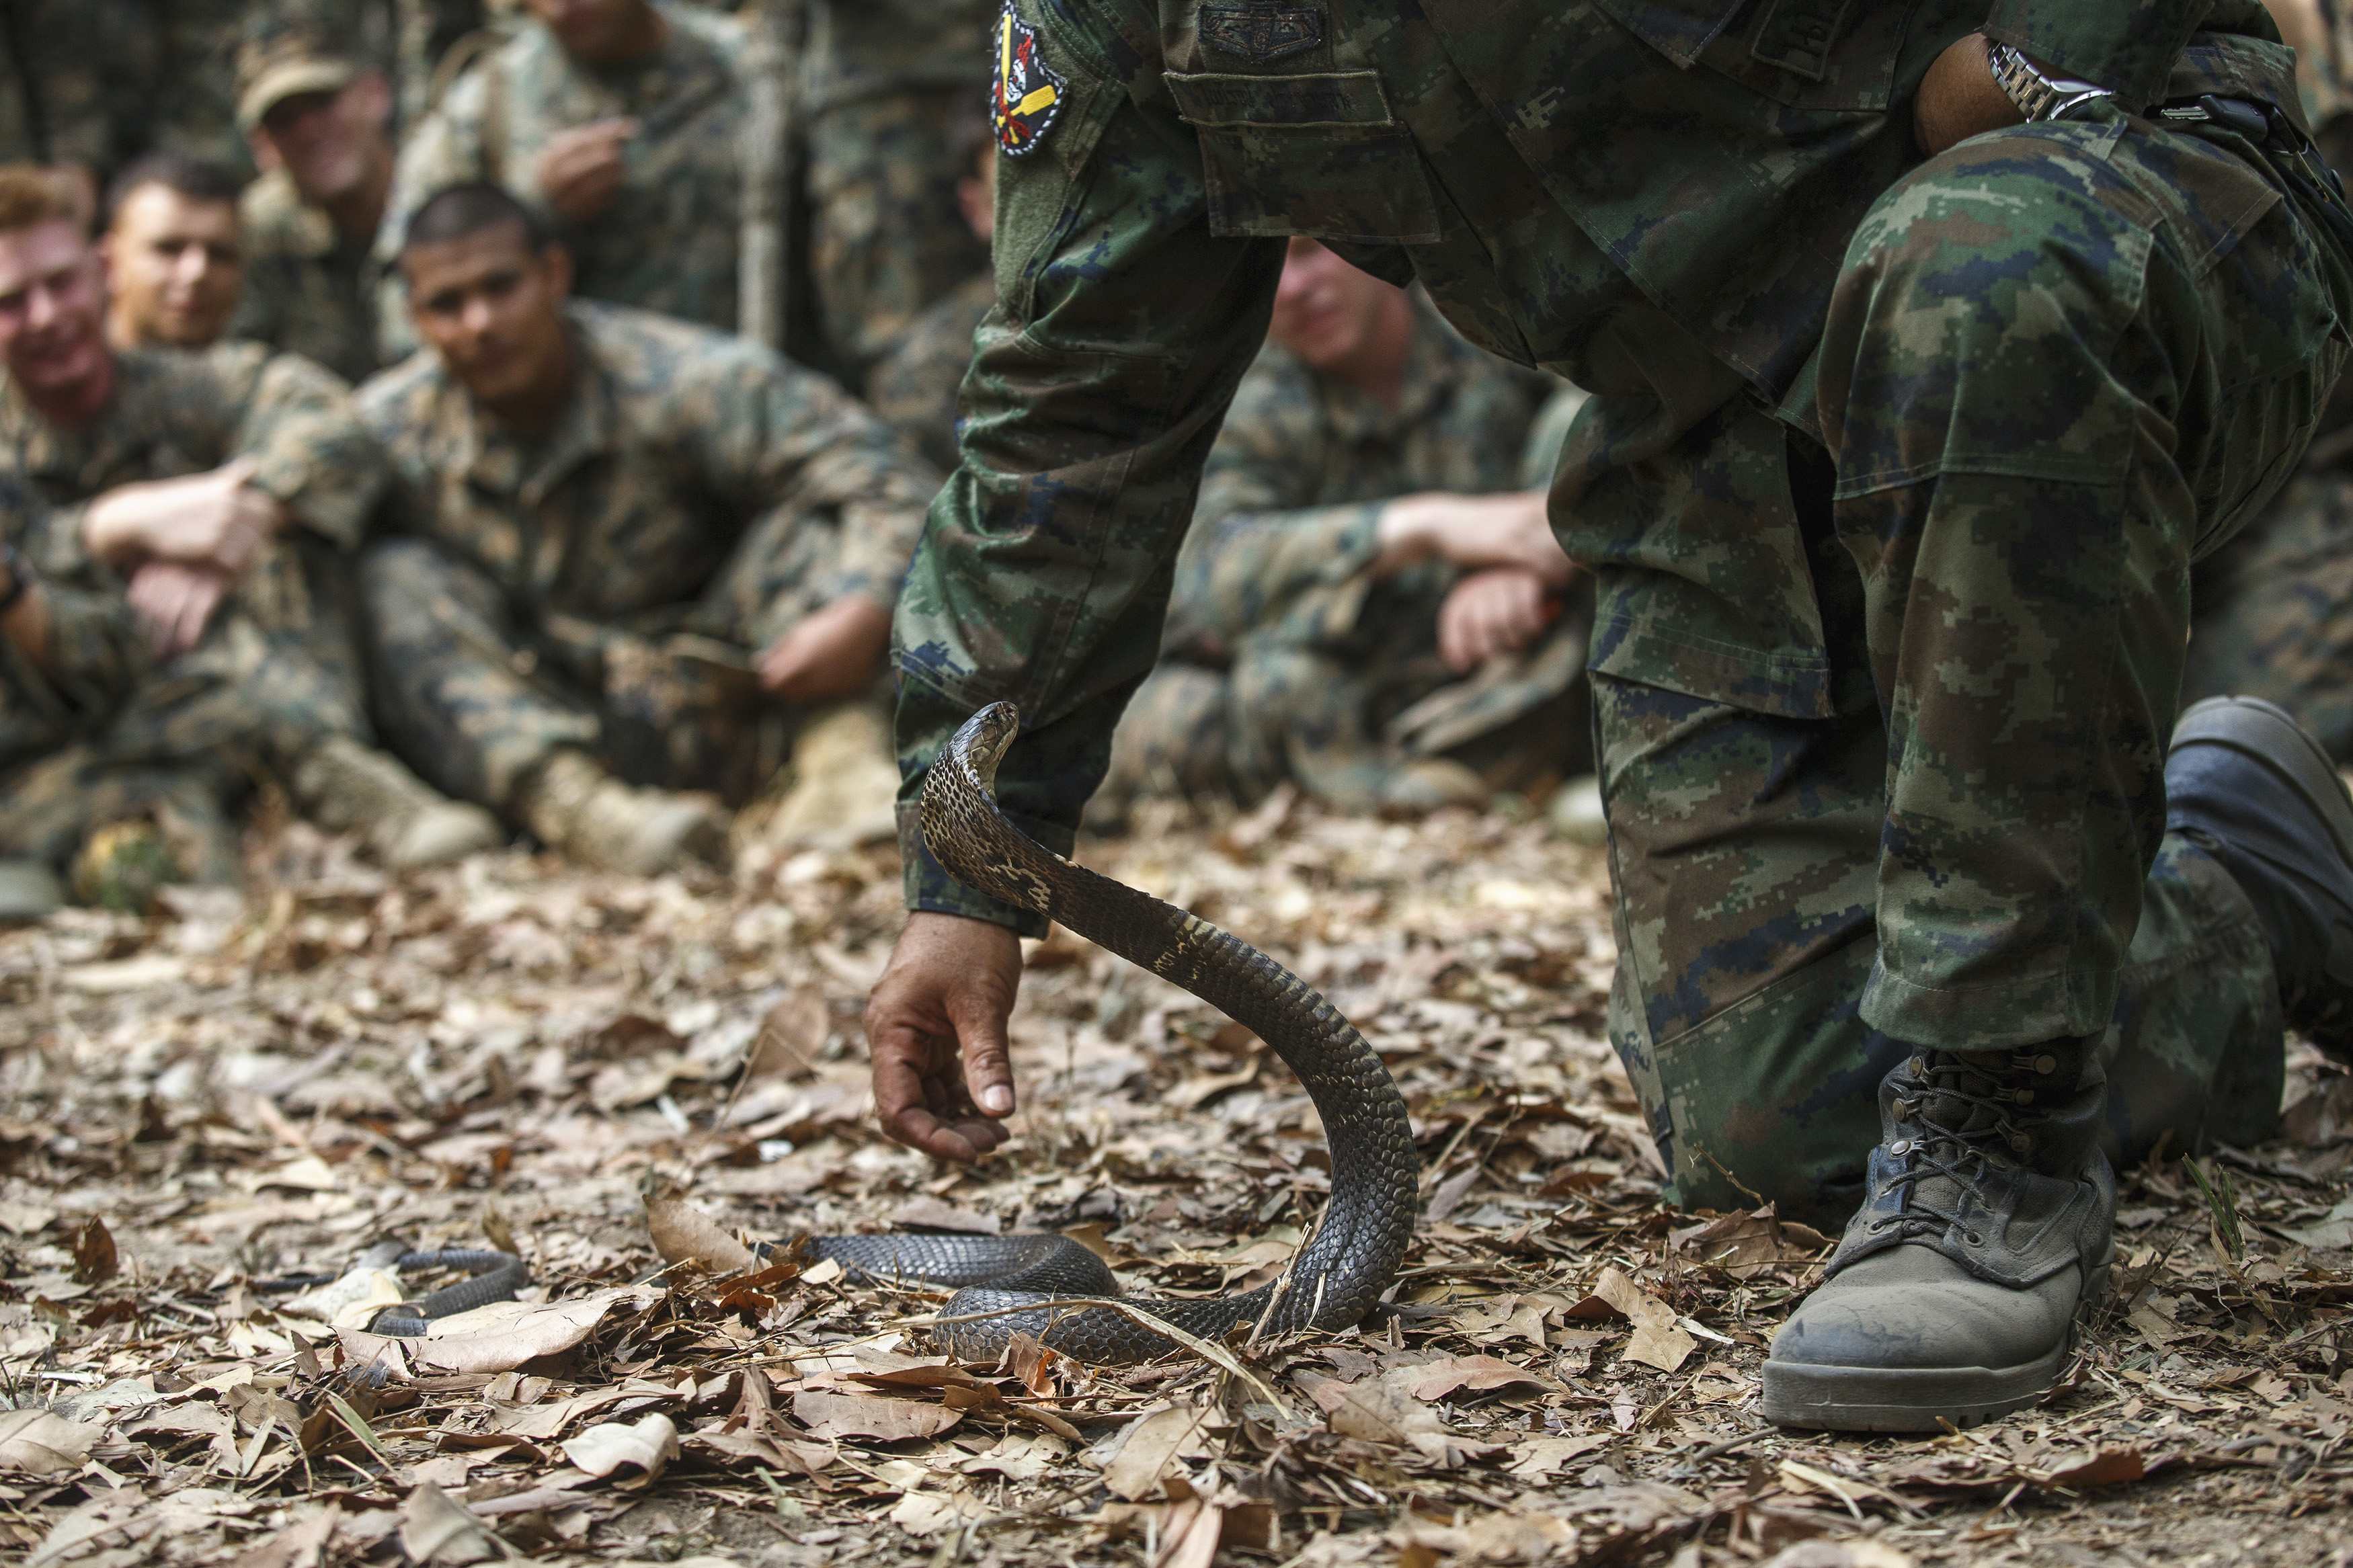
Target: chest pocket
[1317, 155]
[1808, 54]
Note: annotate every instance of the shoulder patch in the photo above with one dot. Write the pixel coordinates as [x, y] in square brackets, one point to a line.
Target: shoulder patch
[1026, 98]
[1261, 31]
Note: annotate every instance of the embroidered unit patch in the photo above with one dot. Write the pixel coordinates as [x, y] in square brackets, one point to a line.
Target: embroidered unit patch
[1027, 95]
[1261, 31]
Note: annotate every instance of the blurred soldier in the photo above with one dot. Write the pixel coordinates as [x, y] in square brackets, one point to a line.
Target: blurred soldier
[890, 90]
[620, 120]
[74, 80]
[318, 122]
[193, 107]
[603, 514]
[173, 255]
[2272, 611]
[914, 388]
[216, 488]
[1360, 544]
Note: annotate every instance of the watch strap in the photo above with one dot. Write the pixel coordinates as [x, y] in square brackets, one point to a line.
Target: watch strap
[2038, 96]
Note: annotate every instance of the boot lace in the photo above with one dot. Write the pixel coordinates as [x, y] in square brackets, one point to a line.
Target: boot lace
[1956, 1118]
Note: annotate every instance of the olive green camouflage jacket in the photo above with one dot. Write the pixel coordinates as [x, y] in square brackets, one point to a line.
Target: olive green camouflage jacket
[1650, 198]
[308, 290]
[676, 443]
[667, 239]
[171, 414]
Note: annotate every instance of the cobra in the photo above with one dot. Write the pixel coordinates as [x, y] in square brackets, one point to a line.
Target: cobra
[1009, 1285]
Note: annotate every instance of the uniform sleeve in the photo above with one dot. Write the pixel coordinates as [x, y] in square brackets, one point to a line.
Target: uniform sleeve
[1260, 546]
[1100, 379]
[2127, 45]
[788, 440]
[312, 455]
[96, 652]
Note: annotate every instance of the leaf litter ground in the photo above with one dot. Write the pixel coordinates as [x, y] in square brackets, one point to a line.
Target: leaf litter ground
[208, 1112]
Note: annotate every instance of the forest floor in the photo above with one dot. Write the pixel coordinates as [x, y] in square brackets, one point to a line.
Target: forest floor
[199, 1108]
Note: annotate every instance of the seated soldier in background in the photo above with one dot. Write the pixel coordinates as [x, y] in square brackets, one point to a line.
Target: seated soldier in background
[2272, 611]
[212, 492]
[622, 121]
[1360, 547]
[319, 125]
[914, 389]
[600, 512]
[174, 259]
[891, 93]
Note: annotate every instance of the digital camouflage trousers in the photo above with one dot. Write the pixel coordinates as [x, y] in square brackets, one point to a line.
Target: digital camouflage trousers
[477, 692]
[2062, 361]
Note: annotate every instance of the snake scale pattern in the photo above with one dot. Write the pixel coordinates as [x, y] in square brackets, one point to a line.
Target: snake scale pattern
[1333, 1279]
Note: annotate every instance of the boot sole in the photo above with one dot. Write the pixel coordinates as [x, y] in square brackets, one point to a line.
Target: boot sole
[1818, 1398]
[2270, 735]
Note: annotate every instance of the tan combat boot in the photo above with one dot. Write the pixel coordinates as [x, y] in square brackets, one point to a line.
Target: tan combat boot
[347, 787]
[845, 782]
[586, 813]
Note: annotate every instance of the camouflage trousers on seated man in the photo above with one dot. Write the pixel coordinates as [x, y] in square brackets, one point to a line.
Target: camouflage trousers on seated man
[1956, 839]
[479, 692]
[1368, 720]
[275, 674]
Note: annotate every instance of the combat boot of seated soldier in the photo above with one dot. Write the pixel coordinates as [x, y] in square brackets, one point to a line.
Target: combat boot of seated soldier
[1923, 370]
[620, 545]
[217, 492]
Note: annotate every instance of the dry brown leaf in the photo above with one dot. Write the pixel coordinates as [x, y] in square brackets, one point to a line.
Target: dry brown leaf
[435, 1528]
[1657, 1340]
[1156, 1445]
[2104, 1467]
[93, 1249]
[867, 1416]
[1440, 1378]
[41, 1443]
[648, 1444]
[684, 1234]
[501, 1336]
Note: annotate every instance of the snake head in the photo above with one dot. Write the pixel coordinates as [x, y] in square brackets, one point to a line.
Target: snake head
[983, 741]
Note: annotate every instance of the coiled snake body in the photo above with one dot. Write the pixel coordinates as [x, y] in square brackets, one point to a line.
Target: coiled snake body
[1355, 1252]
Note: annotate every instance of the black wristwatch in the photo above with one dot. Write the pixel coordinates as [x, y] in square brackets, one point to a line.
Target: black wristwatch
[20, 581]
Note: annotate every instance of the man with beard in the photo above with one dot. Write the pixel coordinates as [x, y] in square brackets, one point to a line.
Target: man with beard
[318, 122]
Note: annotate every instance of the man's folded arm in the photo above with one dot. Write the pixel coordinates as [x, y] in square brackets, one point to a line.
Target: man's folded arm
[2126, 46]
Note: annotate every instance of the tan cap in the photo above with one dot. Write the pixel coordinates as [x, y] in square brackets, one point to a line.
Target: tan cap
[269, 71]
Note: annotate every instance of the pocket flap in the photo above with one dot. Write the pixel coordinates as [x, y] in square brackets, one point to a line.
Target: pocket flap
[1317, 98]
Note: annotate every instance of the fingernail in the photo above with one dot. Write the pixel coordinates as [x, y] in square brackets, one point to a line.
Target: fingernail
[997, 1100]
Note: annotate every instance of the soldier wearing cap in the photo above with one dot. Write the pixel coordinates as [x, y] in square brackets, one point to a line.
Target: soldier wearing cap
[319, 121]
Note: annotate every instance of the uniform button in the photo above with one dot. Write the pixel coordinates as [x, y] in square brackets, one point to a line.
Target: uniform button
[2046, 1064]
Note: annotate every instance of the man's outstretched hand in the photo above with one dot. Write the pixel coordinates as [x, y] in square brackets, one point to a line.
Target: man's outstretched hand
[935, 1026]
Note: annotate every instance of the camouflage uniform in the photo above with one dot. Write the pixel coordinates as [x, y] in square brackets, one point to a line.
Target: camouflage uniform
[886, 83]
[914, 389]
[1284, 657]
[2273, 609]
[1891, 482]
[276, 672]
[668, 240]
[308, 289]
[74, 76]
[602, 589]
